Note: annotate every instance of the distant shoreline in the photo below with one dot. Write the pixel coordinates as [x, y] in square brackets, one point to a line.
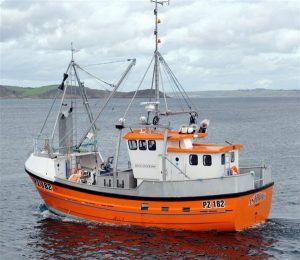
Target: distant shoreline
[48, 92]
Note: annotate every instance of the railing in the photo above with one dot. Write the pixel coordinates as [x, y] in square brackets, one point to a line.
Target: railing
[42, 146]
[249, 178]
[262, 174]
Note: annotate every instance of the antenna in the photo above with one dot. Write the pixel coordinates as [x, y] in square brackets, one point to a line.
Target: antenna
[161, 2]
[73, 50]
[156, 53]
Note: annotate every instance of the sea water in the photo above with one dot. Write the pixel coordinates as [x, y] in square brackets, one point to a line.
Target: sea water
[269, 128]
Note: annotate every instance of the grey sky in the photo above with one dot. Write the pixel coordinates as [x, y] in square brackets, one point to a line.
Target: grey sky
[209, 44]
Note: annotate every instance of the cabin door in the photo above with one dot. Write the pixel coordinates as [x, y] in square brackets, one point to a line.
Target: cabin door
[177, 167]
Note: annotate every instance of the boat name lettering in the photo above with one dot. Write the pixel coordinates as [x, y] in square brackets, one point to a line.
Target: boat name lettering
[209, 204]
[258, 197]
[138, 165]
[42, 184]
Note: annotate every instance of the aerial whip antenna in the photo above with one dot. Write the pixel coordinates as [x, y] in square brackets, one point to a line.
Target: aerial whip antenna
[156, 53]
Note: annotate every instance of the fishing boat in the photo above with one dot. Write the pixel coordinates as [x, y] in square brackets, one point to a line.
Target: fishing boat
[174, 180]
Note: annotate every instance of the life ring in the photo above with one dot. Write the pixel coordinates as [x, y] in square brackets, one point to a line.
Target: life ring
[234, 170]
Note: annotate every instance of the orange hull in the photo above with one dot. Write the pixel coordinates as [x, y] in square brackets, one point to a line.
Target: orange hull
[227, 213]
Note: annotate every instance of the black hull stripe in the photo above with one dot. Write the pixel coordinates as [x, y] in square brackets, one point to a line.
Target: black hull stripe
[121, 196]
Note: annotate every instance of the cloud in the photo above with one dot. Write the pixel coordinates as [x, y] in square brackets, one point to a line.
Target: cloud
[209, 44]
[265, 83]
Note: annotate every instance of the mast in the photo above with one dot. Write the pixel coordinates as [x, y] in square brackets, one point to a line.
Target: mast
[156, 54]
[156, 63]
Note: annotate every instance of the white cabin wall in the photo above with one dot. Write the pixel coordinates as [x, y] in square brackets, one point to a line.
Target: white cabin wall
[216, 169]
[193, 171]
[147, 164]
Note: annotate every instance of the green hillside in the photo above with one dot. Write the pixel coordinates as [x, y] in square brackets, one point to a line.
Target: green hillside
[50, 91]
[30, 92]
[18, 92]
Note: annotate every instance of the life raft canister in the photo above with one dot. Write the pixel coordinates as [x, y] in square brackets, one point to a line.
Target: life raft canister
[234, 170]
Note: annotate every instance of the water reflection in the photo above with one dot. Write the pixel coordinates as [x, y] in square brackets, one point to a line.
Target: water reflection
[61, 239]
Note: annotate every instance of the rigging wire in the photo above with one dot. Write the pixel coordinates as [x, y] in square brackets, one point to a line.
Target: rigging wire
[178, 85]
[58, 90]
[152, 84]
[162, 85]
[172, 85]
[104, 63]
[75, 90]
[42, 129]
[123, 83]
[129, 105]
[97, 78]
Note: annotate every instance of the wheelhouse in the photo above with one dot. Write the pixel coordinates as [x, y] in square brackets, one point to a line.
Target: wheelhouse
[185, 159]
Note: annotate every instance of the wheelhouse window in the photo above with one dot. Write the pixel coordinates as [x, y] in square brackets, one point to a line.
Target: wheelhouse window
[151, 145]
[223, 159]
[193, 159]
[142, 144]
[232, 157]
[132, 144]
[207, 160]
